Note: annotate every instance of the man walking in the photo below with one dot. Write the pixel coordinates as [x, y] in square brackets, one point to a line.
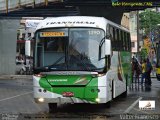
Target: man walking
[148, 72]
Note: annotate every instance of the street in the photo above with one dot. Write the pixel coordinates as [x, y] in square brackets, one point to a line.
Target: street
[16, 97]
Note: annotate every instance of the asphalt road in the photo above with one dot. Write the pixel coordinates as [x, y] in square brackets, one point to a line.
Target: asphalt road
[16, 101]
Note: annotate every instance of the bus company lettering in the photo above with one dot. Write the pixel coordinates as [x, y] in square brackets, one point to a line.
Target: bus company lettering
[70, 22]
[132, 4]
[58, 80]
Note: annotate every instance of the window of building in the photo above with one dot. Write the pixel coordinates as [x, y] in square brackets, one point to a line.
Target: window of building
[133, 44]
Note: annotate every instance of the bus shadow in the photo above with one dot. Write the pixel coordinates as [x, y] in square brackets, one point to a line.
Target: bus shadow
[77, 108]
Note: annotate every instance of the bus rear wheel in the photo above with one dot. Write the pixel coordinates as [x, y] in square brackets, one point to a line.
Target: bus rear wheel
[124, 94]
[52, 107]
[158, 77]
[108, 104]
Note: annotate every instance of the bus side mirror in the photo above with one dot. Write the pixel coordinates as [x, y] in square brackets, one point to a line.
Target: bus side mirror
[107, 47]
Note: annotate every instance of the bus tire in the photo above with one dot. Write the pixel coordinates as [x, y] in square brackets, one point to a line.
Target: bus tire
[158, 77]
[108, 104]
[52, 107]
[124, 94]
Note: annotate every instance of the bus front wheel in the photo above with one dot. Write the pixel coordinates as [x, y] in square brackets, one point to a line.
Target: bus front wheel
[52, 107]
[108, 104]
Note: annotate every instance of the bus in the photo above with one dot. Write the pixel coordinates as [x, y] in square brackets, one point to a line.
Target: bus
[158, 61]
[80, 59]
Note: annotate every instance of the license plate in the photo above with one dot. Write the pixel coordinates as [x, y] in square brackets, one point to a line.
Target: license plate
[68, 94]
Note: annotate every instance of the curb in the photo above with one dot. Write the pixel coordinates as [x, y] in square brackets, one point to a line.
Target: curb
[4, 77]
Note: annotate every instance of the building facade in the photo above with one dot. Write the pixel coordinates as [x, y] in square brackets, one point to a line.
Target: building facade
[133, 31]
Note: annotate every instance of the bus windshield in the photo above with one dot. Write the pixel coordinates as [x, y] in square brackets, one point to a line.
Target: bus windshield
[69, 49]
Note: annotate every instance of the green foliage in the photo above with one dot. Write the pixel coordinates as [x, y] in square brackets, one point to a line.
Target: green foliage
[143, 53]
[148, 20]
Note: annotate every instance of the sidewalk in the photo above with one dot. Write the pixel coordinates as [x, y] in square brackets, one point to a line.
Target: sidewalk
[152, 76]
[4, 77]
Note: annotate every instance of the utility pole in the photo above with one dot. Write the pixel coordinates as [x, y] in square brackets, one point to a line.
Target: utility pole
[137, 31]
[7, 6]
[46, 2]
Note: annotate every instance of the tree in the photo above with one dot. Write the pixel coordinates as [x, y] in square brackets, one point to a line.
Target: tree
[149, 20]
[143, 53]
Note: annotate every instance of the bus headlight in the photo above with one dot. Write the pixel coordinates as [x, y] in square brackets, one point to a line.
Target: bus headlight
[41, 100]
[100, 75]
[39, 75]
[97, 100]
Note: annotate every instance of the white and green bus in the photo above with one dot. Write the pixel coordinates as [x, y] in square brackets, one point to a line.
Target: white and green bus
[80, 59]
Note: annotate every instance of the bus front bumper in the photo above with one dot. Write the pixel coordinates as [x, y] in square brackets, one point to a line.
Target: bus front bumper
[60, 100]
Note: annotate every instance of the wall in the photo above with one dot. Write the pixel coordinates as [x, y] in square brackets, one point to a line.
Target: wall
[125, 20]
[8, 38]
[133, 30]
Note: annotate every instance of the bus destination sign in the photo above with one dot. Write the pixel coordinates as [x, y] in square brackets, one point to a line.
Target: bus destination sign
[51, 34]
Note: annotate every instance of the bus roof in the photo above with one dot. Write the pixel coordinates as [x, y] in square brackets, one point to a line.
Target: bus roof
[76, 21]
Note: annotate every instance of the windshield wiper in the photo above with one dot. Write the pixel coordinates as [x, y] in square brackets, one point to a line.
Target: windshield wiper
[55, 66]
[98, 69]
[83, 63]
[57, 61]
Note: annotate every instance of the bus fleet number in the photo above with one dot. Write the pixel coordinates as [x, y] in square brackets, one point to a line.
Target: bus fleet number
[93, 32]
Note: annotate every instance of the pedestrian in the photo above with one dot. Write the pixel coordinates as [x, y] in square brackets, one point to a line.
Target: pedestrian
[143, 71]
[133, 68]
[148, 72]
[28, 65]
[136, 71]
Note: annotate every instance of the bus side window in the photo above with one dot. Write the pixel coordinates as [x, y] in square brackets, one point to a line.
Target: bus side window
[114, 39]
[125, 41]
[111, 32]
[128, 42]
[121, 42]
[118, 40]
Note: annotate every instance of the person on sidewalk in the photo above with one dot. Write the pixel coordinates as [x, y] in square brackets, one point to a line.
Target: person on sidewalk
[148, 72]
[136, 69]
[143, 71]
